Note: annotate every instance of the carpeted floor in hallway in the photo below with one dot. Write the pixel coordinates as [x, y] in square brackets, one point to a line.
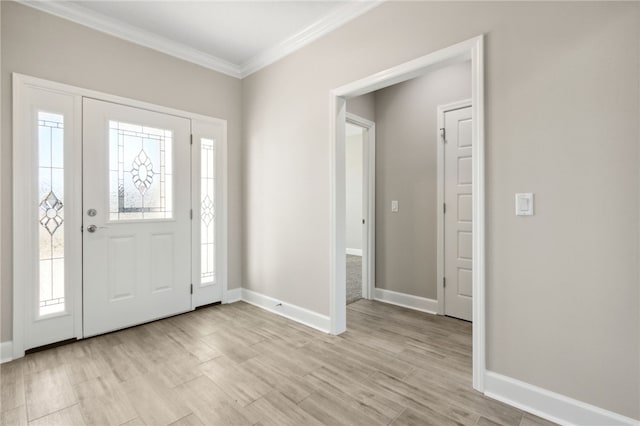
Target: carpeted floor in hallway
[354, 278]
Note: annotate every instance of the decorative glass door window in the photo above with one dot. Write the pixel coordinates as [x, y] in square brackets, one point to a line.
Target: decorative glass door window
[51, 212]
[207, 210]
[140, 172]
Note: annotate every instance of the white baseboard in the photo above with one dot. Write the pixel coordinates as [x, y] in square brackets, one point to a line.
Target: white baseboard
[549, 405]
[6, 351]
[354, 252]
[293, 312]
[406, 300]
[232, 295]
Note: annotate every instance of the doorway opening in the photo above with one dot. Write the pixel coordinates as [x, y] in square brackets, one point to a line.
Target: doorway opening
[355, 222]
[360, 207]
[467, 51]
[424, 158]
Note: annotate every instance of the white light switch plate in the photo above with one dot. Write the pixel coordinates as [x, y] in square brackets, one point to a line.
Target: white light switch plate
[524, 204]
[394, 206]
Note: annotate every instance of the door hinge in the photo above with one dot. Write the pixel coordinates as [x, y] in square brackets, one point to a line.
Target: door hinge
[191, 214]
[444, 207]
[363, 221]
[191, 140]
[444, 281]
[191, 289]
[443, 134]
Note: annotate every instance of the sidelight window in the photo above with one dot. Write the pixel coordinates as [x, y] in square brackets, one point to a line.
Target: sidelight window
[51, 212]
[207, 210]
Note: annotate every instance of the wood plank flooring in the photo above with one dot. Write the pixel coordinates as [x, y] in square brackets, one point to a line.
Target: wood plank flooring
[239, 365]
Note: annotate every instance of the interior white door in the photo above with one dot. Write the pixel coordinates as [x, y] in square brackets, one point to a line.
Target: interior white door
[458, 226]
[136, 216]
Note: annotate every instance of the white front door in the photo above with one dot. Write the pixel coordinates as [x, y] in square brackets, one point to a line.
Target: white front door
[458, 224]
[136, 216]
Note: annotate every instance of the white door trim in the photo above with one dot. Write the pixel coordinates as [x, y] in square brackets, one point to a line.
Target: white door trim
[442, 109]
[21, 157]
[368, 205]
[471, 49]
[24, 160]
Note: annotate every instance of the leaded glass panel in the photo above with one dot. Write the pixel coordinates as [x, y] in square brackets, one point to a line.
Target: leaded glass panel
[51, 212]
[140, 172]
[207, 210]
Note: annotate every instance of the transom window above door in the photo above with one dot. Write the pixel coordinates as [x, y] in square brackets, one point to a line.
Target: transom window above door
[140, 172]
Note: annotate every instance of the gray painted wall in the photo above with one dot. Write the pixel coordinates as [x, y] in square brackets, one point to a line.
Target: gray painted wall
[42, 45]
[562, 105]
[406, 170]
[364, 106]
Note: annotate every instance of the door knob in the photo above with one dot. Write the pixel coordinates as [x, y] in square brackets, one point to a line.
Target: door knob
[94, 228]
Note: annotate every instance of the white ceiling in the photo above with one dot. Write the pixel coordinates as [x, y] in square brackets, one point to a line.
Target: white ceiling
[234, 37]
[233, 31]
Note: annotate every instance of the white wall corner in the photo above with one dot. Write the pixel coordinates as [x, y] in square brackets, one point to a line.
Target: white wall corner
[417, 303]
[117, 28]
[232, 295]
[6, 351]
[354, 252]
[550, 405]
[293, 312]
[334, 20]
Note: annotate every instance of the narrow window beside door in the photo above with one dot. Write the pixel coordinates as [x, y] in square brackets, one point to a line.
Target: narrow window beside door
[51, 213]
[208, 213]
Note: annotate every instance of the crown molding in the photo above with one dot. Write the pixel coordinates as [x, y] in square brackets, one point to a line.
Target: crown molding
[330, 22]
[113, 27]
[88, 18]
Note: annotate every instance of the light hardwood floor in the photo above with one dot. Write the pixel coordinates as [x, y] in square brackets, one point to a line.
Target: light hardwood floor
[237, 364]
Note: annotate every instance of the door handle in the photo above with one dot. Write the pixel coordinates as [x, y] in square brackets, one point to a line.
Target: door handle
[94, 228]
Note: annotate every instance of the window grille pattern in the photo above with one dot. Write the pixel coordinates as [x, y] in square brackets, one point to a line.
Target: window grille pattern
[207, 210]
[140, 172]
[51, 212]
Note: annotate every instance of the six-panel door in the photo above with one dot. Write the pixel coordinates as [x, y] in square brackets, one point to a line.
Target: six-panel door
[458, 225]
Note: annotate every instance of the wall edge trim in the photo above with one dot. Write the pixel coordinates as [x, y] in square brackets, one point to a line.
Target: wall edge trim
[6, 351]
[288, 310]
[550, 405]
[417, 303]
[232, 295]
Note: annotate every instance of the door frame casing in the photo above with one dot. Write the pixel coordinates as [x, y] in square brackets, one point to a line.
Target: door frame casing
[368, 203]
[442, 110]
[22, 156]
[471, 49]
[24, 181]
